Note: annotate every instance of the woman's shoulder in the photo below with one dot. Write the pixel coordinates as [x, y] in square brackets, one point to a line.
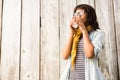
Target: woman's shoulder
[98, 33]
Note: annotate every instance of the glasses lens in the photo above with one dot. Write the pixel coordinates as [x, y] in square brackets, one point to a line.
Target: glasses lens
[75, 14]
[79, 13]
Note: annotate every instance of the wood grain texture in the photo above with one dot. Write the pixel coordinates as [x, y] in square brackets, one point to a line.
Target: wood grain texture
[49, 40]
[29, 52]
[0, 32]
[66, 11]
[89, 2]
[105, 14]
[30, 40]
[116, 6]
[1, 8]
[10, 48]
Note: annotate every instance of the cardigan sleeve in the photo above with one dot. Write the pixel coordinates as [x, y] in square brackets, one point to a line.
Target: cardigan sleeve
[98, 42]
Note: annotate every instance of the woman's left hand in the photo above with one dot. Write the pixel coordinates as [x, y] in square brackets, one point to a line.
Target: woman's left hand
[80, 24]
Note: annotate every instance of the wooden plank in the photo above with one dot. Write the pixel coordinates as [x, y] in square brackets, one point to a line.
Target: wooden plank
[66, 11]
[117, 24]
[0, 32]
[10, 48]
[1, 8]
[49, 40]
[30, 40]
[104, 9]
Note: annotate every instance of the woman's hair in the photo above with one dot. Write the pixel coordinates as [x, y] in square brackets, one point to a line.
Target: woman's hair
[91, 15]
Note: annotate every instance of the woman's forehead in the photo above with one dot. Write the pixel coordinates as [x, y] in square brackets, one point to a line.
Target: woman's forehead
[79, 10]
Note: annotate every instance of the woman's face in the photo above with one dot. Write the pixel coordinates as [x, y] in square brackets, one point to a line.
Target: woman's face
[80, 13]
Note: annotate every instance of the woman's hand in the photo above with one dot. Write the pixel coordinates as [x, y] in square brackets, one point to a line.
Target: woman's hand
[80, 24]
[72, 30]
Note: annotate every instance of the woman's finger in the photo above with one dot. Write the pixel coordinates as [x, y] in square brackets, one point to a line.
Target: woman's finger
[79, 23]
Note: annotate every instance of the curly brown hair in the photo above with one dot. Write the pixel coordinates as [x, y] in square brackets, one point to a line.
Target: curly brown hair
[91, 15]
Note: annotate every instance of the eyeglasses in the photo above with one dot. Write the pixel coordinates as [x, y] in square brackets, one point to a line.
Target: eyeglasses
[79, 13]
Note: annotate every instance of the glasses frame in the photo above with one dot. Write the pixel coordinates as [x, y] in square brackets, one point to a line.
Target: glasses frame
[79, 13]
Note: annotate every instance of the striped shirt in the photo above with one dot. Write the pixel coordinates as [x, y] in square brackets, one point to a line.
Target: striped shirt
[79, 69]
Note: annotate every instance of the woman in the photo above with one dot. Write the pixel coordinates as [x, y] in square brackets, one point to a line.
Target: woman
[84, 44]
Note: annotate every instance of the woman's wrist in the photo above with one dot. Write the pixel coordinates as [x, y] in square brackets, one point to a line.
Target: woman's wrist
[71, 35]
[84, 32]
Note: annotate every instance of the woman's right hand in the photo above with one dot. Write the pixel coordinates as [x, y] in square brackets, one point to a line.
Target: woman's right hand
[72, 30]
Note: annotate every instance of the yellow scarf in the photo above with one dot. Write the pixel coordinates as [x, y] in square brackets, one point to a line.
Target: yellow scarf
[76, 37]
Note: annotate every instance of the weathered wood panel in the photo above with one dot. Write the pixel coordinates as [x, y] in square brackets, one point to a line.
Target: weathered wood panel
[105, 14]
[66, 11]
[10, 48]
[30, 40]
[31, 53]
[49, 40]
[90, 2]
[0, 32]
[116, 9]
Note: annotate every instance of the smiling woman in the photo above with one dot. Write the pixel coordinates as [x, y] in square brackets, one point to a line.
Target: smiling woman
[84, 44]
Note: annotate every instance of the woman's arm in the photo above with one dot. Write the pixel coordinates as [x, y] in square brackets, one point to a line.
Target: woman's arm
[88, 46]
[66, 51]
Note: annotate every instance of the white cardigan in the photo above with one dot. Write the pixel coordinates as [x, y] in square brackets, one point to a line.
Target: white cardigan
[92, 71]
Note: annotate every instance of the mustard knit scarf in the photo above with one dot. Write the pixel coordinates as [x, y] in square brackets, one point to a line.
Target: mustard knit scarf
[76, 37]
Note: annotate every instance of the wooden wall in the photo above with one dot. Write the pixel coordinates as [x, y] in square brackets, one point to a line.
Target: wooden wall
[33, 33]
